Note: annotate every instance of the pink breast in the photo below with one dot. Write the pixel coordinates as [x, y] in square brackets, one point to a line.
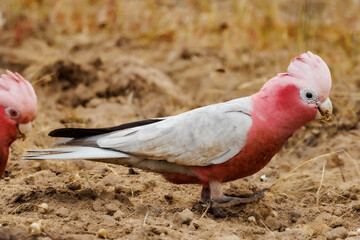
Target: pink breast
[261, 146]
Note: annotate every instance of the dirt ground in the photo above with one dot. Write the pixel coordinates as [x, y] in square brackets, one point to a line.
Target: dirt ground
[109, 79]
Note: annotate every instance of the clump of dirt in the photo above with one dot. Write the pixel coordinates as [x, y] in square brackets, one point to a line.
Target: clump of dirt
[123, 77]
[67, 76]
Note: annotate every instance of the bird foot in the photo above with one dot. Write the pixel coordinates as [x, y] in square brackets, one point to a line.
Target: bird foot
[228, 201]
[215, 204]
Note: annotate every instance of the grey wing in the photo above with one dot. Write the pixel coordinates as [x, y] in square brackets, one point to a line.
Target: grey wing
[204, 136]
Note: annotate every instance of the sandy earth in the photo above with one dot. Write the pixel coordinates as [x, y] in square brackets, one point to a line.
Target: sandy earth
[104, 82]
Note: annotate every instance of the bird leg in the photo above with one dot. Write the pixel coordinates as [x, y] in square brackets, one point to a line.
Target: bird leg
[205, 195]
[206, 198]
[221, 201]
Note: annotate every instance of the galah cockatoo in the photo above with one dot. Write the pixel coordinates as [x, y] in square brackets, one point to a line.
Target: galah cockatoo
[18, 106]
[213, 144]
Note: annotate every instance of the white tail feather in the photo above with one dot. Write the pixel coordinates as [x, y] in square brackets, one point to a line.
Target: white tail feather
[74, 153]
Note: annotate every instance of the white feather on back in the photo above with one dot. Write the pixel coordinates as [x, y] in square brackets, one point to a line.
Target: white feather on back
[203, 136]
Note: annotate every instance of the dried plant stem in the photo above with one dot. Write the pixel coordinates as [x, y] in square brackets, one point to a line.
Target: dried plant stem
[321, 182]
[204, 213]
[111, 169]
[292, 172]
[145, 218]
[353, 160]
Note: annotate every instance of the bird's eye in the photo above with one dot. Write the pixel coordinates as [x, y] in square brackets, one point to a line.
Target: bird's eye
[308, 95]
[12, 112]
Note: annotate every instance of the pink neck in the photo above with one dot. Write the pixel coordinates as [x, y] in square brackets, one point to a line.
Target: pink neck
[8, 129]
[282, 110]
[4, 153]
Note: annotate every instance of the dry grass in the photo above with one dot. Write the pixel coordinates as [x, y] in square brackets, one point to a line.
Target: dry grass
[302, 179]
[234, 26]
[242, 31]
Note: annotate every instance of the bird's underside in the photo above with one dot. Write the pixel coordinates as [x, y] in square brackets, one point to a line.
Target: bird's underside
[211, 191]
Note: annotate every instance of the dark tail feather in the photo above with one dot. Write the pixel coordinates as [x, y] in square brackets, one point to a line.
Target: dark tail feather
[88, 132]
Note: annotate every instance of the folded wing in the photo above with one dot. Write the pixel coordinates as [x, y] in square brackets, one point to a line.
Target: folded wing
[204, 136]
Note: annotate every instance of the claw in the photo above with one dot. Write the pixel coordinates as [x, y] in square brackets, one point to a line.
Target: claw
[216, 205]
[227, 201]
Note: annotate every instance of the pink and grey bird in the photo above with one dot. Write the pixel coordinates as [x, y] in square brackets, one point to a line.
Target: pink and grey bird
[213, 144]
[18, 106]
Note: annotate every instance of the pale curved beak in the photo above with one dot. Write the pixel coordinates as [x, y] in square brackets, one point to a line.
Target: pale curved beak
[324, 110]
[24, 129]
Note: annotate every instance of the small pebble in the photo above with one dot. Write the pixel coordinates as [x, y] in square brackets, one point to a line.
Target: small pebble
[123, 199]
[184, 217]
[102, 233]
[273, 223]
[351, 234]
[252, 219]
[87, 193]
[275, 214]
[111, 208]
[339, 232]
[337, 222]
[36, 227]
[74, 186]
[263, 178]
[43, 208]
[294, 216]
[316, 131]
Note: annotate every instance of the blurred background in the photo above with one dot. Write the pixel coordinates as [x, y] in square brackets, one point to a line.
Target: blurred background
[98, 63]
[250, 40]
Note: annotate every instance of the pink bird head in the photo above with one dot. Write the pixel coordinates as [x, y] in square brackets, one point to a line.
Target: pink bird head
[18, 106]
[310, 71]
[306, 71]
[298, 96]
[17, 97]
